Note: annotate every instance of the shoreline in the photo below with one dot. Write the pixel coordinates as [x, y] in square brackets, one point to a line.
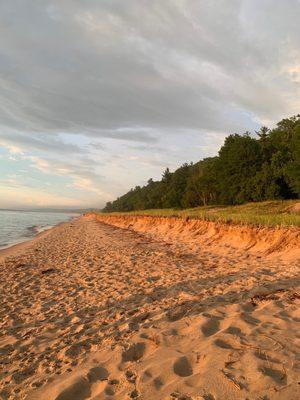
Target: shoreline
[14, 248]
[25, 239]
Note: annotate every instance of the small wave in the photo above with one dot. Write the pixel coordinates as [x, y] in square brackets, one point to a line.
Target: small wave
[40, 229]
[35, 229]
[31, 230]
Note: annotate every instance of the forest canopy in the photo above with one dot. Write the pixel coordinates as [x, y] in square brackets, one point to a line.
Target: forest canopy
[247, 168]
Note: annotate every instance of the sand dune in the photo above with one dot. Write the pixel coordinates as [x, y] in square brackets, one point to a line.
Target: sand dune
[92, 311]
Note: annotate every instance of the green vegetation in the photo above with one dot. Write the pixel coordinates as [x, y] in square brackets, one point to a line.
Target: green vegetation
[247, 169]
[268, 213]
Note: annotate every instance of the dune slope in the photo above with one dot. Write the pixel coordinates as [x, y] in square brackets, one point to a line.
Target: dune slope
[217, 236]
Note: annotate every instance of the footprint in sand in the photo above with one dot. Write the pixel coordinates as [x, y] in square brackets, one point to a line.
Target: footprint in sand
[277, 375]
[233, 330]
[158, 383]
[109, 390]
[97, 374]
[182, 367]
[211, 327]
[249, 319]
[79, 390]
[223, 344]
[147, 375]
[176, 313]
[262, 355]
[134, 353]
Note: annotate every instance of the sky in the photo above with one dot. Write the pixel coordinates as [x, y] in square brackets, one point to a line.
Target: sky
[98, 96]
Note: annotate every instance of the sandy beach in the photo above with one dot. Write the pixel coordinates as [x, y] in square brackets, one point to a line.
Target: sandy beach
[94, 311]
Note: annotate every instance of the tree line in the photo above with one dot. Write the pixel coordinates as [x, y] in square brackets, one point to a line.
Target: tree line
[264, 167]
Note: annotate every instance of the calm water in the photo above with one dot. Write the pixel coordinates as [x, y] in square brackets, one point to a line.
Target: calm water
[18, 226]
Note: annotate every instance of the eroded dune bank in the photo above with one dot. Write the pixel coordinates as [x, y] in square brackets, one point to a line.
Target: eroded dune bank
[91, 311]
[263, 241]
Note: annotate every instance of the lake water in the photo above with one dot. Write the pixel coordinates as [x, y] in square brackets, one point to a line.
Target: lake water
[19, 226]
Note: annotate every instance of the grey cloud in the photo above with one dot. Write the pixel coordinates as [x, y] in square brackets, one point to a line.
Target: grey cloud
[130, 135]
[96, 146]
[86, 66]
[140, 75]
[146, 148]
[40, 142]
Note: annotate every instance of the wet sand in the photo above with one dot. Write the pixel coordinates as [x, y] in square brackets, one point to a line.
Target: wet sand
[91, 311]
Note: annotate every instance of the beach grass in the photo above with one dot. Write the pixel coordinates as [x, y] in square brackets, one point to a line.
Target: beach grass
[268, 213]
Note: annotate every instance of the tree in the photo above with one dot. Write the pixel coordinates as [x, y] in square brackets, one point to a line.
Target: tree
[238, 161]
[246, 169]
[293, 168]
